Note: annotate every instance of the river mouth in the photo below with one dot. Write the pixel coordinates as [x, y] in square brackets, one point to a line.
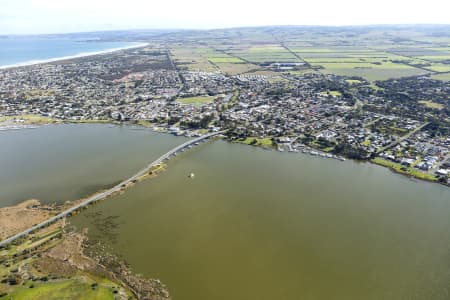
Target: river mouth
[256, 224]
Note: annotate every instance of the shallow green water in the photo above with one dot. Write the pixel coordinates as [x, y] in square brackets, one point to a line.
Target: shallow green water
[256, 224]
[66, 162]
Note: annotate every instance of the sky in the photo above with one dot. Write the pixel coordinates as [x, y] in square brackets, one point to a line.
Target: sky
[53, 16]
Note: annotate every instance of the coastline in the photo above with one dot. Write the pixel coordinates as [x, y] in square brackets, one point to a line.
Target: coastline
[58, 246]
[408, 172]
[34, 211]
[261, 143]
[149, 171]
[58, 255]
[68, 57]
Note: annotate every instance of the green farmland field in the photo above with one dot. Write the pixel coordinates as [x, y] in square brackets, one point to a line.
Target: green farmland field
[371, 71]
[441, 68]
[443, 77]
[225, 60]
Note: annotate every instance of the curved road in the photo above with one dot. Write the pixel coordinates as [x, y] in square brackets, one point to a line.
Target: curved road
[109, 192]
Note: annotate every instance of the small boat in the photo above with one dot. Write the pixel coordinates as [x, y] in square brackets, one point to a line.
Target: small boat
[191, 175]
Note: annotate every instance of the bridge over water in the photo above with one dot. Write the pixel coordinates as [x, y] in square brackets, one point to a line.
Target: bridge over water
[112, 190]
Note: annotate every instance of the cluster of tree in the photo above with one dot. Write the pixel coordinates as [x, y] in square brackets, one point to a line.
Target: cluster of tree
[173, 120]
[324, 143]
[438, 128]
[350, 151]
[277, 91]
[196, 124]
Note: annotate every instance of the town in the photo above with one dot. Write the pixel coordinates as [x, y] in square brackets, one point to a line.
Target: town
[387, 122]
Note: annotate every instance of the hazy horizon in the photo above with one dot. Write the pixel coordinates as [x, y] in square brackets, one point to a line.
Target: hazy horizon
[50, 17]
[131, 29]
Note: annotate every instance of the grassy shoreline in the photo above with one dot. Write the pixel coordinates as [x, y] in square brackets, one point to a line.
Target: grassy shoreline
[32, 119]
[395, 167]
[37, 267]
[265, 143]
[407, 171]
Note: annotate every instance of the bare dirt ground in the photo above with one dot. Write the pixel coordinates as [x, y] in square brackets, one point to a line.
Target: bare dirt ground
[17, 218]
[71, 250]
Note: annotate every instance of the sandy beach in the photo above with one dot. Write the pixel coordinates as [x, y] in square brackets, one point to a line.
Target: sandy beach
[79, 55]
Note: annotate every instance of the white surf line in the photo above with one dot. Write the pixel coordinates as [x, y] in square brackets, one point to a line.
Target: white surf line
[79, 55]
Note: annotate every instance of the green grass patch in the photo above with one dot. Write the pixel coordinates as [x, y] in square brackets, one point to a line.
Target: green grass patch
[444, 49]
[194, 58]
[371, 71]
[313, 50]
[196, 100]
[73, 289]
[203, 131]
[398, 130]
[335, 93]
[29, 119]
[235, 97]
[266, 48]
[404, 170]
[353, 81]
[266, 53]
[266, 142]
[236, 68]
[145, 123]
[225, 60]
[332, 93]
[33, 94]
[376, 87]
[441, 68]
[435, 57]
[90, 121]
[431, 104]
[442, 77]
[38, 241]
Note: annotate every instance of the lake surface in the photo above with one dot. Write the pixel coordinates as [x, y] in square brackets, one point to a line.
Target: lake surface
[57, 163]
[21, 50]
[252, 224]
[256, 224]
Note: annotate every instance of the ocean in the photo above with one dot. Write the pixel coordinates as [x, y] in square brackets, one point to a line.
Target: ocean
[21, 50]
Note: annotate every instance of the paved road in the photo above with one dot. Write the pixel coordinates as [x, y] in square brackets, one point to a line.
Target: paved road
[111, 191]
[401, 139]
